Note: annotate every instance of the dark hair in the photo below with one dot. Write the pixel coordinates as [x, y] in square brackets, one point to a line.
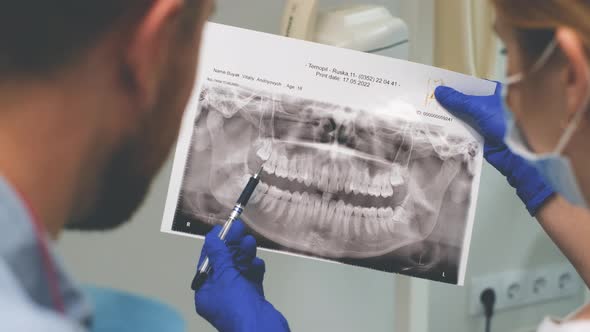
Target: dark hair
[537, 20]
[38, 36]
[535, 41]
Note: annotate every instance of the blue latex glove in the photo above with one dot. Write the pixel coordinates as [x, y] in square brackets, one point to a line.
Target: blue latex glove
[232, 298]
[485, 114]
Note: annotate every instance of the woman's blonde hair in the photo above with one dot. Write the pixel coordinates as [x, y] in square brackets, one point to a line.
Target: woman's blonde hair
[537, 20]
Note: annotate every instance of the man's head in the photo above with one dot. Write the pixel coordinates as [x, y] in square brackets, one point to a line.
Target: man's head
[132, 64]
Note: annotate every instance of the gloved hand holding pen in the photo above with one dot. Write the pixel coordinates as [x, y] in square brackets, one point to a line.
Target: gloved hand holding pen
[485, 114]
[232, 299]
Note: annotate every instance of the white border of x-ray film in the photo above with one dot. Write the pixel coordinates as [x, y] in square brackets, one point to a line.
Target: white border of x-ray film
[258, 41]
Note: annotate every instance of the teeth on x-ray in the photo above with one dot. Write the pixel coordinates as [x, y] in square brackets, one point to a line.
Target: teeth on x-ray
[265, 149]
[334, 178]
[337, 181]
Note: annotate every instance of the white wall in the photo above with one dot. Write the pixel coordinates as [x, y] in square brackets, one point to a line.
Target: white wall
[316, 296]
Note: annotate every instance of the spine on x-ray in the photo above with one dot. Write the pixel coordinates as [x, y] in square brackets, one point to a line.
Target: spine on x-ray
[299, 19]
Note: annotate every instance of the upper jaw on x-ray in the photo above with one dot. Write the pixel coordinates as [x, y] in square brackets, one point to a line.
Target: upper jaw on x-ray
[337, 181]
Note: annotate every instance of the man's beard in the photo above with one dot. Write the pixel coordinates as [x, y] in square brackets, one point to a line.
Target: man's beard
[122, 190]
[126, 179]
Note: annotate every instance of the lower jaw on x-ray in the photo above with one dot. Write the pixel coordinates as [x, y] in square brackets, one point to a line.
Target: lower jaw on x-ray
[363, 187]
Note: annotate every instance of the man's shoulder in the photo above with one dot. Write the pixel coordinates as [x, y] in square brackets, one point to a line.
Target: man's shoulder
[19, 313]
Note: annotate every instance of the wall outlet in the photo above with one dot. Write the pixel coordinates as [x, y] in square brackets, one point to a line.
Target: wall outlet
[478, 285]
[525, 287]
[568, 281]
[514, 287]
[541, 285]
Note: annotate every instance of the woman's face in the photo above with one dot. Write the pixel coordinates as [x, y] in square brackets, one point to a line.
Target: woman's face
[545, 101]
[538, 102]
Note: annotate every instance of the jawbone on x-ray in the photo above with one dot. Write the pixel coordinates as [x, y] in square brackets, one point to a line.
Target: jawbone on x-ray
[361, 164]
[338, 182]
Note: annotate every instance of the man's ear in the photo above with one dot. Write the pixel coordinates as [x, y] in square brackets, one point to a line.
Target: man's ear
[577, 71]
[148, 49]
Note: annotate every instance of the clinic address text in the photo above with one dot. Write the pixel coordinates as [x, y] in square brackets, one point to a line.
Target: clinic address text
[320, 72]
[350, 77]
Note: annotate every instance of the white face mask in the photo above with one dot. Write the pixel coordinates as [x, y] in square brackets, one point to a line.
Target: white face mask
[554, 167]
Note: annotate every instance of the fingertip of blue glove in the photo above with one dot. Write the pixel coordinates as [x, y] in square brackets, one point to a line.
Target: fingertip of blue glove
[248, 245]
[239, 224]
[236, 233]
[212, 241]
[215, 230]
[443, 91]
[259, 263]
[444, 95]
[256, 270]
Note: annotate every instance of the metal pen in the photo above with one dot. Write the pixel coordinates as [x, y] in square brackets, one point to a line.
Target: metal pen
[205, 268]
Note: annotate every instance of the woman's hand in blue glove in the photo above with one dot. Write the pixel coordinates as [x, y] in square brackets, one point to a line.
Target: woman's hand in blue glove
[232, 298]
[485, 114]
